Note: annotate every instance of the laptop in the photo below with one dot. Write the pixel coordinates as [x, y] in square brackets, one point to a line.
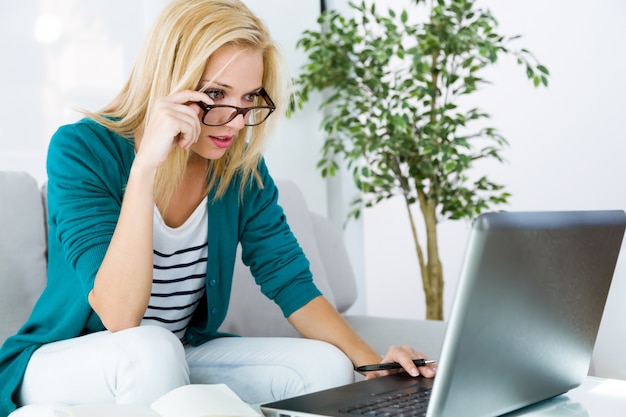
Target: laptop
[522, 328]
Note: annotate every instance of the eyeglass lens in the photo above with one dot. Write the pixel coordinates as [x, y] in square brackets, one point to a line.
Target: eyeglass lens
[222, 115]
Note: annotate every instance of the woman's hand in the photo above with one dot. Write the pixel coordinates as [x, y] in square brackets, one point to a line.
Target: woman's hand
[173, 121]
[404, 355]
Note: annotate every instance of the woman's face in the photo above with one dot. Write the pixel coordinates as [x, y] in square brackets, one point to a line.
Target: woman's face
[236, 85]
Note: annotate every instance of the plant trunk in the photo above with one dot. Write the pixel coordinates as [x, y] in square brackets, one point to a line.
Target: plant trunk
[432, 272]
[430, 266]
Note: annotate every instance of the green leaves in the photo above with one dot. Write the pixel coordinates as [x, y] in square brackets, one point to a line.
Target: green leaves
[392, 107]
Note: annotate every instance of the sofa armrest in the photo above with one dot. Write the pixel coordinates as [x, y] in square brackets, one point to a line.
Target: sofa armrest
[336, 260]
[22, 249]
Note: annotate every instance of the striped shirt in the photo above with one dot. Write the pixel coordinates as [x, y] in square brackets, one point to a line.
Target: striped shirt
[178, 283]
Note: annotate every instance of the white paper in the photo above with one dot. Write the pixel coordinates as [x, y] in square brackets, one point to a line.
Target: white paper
[112, 410]
[196, 400]
[202, 400]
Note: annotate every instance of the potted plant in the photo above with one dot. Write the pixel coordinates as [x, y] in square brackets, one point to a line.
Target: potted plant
[397, 111]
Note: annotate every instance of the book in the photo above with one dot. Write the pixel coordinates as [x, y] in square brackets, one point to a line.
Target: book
[195, 400]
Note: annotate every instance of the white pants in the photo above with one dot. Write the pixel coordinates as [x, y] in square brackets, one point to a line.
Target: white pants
[139, 365]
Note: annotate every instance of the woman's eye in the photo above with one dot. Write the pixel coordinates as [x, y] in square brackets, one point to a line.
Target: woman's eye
[252, 98]
[215, 95]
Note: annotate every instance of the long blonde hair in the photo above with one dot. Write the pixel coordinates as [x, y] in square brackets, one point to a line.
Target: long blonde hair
[172, 59]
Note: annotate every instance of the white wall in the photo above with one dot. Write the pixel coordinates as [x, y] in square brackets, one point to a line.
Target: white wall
[567, 142]
[57, 54]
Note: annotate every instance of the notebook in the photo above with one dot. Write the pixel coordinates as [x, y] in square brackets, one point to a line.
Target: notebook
[525, 317]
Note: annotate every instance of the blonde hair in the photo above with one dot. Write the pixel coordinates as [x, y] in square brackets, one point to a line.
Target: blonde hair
[172, 59]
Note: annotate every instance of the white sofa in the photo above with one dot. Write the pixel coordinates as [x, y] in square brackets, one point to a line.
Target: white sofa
[23, 274]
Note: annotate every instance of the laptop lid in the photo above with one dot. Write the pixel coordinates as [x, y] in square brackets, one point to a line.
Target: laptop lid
[525, 317]
[527, 310]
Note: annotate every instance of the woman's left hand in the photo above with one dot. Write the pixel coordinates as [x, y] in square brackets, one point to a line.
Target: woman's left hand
[404, 355]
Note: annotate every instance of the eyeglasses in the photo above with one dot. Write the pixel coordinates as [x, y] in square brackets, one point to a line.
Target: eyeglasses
[220, 114]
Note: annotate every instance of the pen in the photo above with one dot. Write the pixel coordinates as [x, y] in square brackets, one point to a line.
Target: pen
[392, 365]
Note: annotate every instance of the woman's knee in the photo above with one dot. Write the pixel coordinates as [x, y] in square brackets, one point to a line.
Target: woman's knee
[311, 366]
[262, 369]
[136, 365]
[330, 368]
[153, 362]
[151, 343]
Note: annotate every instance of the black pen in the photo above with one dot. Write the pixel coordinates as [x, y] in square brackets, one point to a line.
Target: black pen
[392, 365]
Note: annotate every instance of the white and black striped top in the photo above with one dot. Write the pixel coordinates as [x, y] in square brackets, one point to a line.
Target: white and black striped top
[178, 283]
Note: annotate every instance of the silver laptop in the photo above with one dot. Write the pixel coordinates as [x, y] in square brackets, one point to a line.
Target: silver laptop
[523, 325]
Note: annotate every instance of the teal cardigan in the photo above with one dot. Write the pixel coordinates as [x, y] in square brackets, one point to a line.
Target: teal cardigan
[88, 168]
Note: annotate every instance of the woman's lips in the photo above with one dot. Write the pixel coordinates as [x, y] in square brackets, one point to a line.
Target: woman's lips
[222, 141]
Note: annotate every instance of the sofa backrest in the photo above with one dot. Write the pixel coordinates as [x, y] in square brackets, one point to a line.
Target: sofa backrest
[22, 249]
[23, 260]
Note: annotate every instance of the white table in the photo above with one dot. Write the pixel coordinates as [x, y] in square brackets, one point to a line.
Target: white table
[596, 397]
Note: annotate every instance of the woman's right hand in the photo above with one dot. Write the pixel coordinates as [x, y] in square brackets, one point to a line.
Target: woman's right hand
[173, 121]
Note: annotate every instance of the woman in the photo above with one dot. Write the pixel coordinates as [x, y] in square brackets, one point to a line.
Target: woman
[148, 199]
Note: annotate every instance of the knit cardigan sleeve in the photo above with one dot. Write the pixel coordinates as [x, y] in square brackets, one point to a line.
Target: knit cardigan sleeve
[255, 220]
[87, 169]
[272, 252]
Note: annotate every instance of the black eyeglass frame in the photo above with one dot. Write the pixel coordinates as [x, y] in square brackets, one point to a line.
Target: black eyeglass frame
[239, 110]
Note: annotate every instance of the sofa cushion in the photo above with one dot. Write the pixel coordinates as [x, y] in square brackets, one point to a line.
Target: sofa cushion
[22, 249]
[334, 255]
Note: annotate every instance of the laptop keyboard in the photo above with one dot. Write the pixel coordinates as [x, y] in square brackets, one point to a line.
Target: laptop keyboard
[412, 404]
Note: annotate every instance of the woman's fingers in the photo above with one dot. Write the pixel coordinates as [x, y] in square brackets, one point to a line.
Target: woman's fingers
[173, 121]
[404, 355]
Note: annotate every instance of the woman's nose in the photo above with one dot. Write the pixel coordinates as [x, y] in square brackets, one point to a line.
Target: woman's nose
[237, 123]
